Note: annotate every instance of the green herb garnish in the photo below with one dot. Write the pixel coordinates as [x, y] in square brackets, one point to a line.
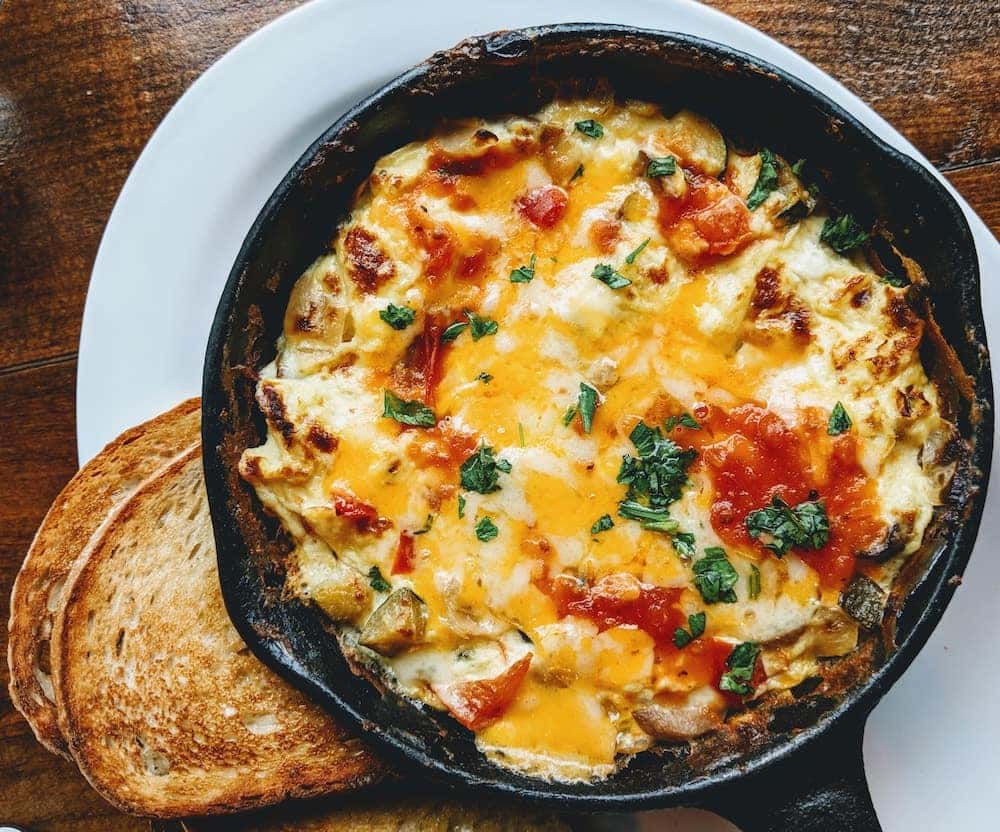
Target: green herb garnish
[481, 471]
[767, 179]
[587, 404]
[453, 331]
[683, 543]
[741, 664]
[481, 327]
[377, 582]
[569, 415]
[398, 317]
[577, 173]
[486, 529]
[843, 234]
[839, 422]
[416, 414]
[753, 583]
[609, 277]
[604, 522]
[696, 625]
[591, 128]
[780, 527]
[685, 419]
[461, 506]
[798, 166]
[715, 577]
[524, 274]
[630, 259]
[485, 378]
[896, 280]
[659, 473]
[661, 166]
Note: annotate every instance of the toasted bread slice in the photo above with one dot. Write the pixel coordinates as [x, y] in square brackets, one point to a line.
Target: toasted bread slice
[100, 487]
[388, 812]
[166, 711]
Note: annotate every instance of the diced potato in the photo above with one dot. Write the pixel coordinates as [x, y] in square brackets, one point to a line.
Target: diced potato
[399, 622]
[695, 140]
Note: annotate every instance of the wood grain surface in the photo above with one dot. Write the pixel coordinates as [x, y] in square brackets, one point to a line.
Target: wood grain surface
[83, 83]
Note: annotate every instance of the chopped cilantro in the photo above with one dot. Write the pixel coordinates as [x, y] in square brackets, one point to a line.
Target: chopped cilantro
[524, 274]
[779, 526]
[416, 414]
[798, 166]
[591, 128]
[683, 543]
[453, 331]
[586, 404]
[660, 471]
[661, 166]
[741, 664]
[652, 519]
[715, 577]
[630, 259]
[843, 234]
[398, 317]
[569, 415]
[604, 522]
[427, 525]
[377, 582]
[609, 277]
[577, 173]
[696, 625]
[485, 378]
[486, 530]
[896, 280]
[753, 583]
[839, 422]
[461, 506]
[481, 471]
[481, 327]
[767, 179]
[685, 419]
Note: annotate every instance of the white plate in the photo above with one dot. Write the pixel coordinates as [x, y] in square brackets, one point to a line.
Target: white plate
[931, 747]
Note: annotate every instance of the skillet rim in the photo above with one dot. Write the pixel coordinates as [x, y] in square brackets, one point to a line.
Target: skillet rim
[853, 707]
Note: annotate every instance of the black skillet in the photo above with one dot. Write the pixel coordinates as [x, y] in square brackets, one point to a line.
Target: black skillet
[801, 768]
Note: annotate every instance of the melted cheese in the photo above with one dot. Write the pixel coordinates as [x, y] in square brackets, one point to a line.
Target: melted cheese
[770, 317]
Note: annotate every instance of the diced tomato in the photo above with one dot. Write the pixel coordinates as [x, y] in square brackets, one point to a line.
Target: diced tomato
[419, 371]
[476, 704]
[653, 609]
[405, 556]
[604, 234]
[442, 446]
[365, 516]
[751, 454]
[544, 206]
[708, 219]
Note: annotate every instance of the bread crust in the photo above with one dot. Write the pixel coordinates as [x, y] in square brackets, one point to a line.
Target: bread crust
[94, 493]
[165, 710]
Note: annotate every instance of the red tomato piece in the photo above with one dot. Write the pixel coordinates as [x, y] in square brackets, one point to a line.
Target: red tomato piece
[365, 516]
[545, 206]
[405, 556]
[476, 704]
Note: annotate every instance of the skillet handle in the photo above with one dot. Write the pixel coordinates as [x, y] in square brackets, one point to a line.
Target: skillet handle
[821, 788]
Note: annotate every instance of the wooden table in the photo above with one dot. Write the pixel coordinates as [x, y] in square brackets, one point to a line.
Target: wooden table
[83, 83]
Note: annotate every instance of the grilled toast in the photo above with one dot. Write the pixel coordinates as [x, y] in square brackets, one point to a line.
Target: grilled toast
[100, 487]
[164, 708]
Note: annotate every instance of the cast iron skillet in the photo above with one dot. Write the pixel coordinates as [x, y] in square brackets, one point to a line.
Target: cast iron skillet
[801, 766]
